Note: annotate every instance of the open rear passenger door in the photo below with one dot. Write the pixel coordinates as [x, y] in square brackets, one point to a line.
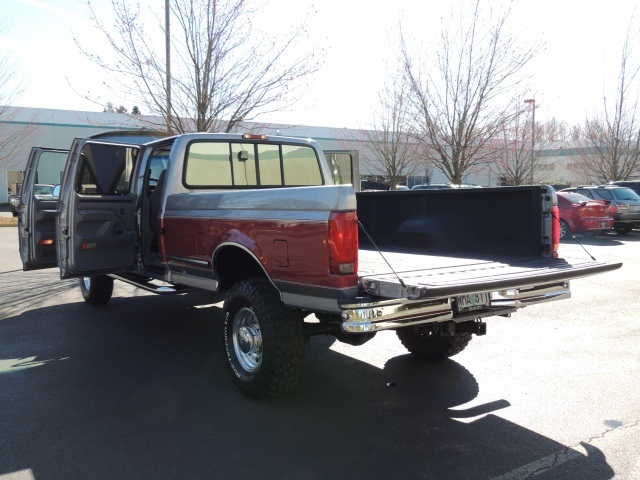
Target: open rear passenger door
[96, 219]
[37, 209]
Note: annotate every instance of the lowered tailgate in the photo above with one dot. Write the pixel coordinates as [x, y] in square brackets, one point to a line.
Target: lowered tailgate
[430, 276]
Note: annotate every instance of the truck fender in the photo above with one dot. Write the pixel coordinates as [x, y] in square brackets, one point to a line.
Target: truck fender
[237, 258]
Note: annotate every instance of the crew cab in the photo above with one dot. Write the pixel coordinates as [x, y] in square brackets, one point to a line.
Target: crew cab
[262, 220]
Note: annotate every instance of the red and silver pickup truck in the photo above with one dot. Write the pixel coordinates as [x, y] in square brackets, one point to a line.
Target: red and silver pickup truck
[261, 219]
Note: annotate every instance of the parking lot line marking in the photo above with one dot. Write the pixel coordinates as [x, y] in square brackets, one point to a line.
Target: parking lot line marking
[26, 474]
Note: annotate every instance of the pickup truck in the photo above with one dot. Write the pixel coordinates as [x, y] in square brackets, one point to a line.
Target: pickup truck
[260, 219]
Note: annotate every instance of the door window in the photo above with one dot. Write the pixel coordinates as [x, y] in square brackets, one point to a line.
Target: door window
[105, 169]
[584, 192]
[340, 164]
[50, 168]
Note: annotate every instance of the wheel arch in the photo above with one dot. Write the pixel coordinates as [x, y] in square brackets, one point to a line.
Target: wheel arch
[233, 262]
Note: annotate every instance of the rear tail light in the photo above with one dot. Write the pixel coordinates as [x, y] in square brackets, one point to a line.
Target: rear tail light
[343, 243]
[613, 209]
[555, 231]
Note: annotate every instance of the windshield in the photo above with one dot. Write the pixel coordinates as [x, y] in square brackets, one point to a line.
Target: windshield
[43, 190]
[625, 194]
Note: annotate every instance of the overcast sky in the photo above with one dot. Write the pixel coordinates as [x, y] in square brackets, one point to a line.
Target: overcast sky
[583, 42]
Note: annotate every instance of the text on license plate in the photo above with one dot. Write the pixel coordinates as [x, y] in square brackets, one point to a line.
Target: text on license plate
[473, 301]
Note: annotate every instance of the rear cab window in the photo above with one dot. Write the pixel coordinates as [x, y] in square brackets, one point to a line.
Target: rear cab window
[238, 164]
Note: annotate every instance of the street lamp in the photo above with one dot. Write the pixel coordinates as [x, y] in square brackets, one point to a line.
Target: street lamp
[532, 101]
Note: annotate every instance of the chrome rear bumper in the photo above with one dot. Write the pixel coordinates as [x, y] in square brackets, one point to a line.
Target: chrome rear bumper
[366, 315]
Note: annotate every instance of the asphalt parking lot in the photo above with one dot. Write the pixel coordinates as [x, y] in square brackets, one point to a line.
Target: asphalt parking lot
[138, 390]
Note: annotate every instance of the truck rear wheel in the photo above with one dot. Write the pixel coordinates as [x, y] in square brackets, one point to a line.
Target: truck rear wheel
[96, 290]
[263, 340]
[434, 346]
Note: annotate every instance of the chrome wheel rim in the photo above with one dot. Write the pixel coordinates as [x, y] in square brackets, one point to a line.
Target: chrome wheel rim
[86, 283]
[563, 230]
[247, 339]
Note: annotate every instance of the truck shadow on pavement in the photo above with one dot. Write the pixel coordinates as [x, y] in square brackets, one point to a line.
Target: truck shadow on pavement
[139, 389]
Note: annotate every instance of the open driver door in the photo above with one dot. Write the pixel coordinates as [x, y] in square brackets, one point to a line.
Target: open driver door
[96, 220]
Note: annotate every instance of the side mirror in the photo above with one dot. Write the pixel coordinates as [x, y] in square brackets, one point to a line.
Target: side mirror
[56, 191]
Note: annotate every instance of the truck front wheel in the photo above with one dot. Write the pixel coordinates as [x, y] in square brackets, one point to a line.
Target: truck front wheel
[96, 290]
[263, 340]
[434, 346]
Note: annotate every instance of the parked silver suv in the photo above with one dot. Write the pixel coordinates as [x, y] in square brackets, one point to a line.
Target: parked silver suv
[625, 203]
[632, 184]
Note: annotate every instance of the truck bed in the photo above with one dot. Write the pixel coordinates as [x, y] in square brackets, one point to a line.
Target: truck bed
[459, 241]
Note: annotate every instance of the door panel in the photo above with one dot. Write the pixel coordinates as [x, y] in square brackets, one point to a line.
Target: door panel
[103, 235]
[37, 210]
[43, 233]
[96, 223]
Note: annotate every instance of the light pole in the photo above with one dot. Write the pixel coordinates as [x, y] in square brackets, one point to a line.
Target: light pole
[167, 39]
[532, 101]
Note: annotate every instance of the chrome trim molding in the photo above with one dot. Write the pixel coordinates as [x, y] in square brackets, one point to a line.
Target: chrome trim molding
[188, 260]
[202, 283]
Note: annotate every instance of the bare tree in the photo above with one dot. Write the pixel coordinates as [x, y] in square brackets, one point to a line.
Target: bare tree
[611, 141]
[512, 161]
[391, 145]
[553, 130]
[463, 93]
[575, 132]
[13, 135]
[223, 71]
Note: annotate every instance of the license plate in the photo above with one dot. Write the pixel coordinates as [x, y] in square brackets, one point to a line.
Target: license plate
[474, 301]
[603, 224]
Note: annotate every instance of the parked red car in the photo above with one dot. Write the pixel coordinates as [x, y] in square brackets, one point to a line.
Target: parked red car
[581, 214]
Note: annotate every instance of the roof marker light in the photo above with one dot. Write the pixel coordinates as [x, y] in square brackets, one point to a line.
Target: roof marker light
[251, 136]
